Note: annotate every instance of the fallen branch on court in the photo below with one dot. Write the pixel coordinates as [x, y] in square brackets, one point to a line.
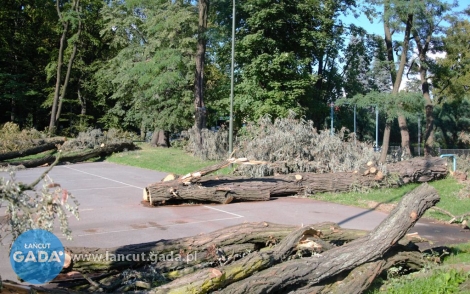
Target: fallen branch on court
[225, 189]
[75, 156]
[41, 145]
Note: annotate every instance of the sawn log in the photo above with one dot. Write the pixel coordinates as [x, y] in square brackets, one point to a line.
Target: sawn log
[225, 189]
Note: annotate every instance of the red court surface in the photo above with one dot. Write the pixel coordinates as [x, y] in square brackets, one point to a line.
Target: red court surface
[111, 212]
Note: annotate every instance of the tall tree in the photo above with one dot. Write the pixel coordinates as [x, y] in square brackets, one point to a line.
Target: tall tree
[150, 80]
[200, 108]
[428, 26]
[26, 34]
[69, 19]
[405, 15]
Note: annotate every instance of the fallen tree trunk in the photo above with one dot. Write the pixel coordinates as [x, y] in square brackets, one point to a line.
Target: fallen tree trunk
[235, 188]
[42, 145]
[296, 274]
[260, 234]
[75, 156]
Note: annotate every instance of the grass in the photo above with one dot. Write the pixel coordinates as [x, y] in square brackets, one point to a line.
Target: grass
[169, 160]
[452, 276]
[173, 160]
[447, 188]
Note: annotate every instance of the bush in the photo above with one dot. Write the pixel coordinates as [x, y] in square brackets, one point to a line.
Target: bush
[294, 145]
[14, 139]
[93, 138]
[214, 144]
[288, 144]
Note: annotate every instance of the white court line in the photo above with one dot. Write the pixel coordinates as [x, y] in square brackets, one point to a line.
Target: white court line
[86, 189]
[165, 226]
[140, 188]
[237, 215]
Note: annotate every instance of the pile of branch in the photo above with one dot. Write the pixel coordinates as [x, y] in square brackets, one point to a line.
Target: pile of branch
[259, 258]
[71, 156]
[197, 187]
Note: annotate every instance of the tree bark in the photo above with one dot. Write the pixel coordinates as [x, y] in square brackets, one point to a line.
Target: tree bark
[294, 274]
[45, 145]
[398, 76]
[75, 156]
[200, 115]
[360, 278]
[385, 142]
[77, 9]
[259, 234]
[235, 188]
[423, 48]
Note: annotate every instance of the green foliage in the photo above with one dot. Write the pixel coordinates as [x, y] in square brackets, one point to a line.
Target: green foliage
[440, 281]
[93, 138]
[151, 77]
[452, 119]
[282, 50]
[452, 71]
[294, 145]
[214, 144]
[403, 103]
[31, 208]
[14, 139]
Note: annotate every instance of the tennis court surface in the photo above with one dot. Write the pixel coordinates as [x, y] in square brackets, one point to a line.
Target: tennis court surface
[111, 212]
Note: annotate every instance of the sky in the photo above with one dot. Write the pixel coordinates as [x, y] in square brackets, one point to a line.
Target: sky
[376, 27]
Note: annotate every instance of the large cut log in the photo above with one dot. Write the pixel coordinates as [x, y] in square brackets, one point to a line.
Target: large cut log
[259, 234]
[294, 274]
[360, 278]
[75, 156]
[210, 279]
[225, 189]
[42, 145]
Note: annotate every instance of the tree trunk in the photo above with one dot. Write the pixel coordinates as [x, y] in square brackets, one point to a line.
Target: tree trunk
[385, 142]
[360, 278]
[77, 9]
[45, 145]
[200, 116]
[247, 233]
[235, 188]
[423, 69]
[55, 101]
[160, 138]
[75, 156]
[398, 76]
[294, 274]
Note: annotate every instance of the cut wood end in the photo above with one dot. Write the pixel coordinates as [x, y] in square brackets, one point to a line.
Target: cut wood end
[169, 177]
[145, 195]
[214, 273]
[413, 215]
[196, 175]
[228, 200]
[68, 260]
[243, 159]
[370, 163]
[298, 177]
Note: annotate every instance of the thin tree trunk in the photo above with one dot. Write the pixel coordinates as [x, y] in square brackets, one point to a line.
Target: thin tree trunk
[423, 48]
[200, 115]
[385, 142]
[70, 63]
[55, 101]
[397, 77]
